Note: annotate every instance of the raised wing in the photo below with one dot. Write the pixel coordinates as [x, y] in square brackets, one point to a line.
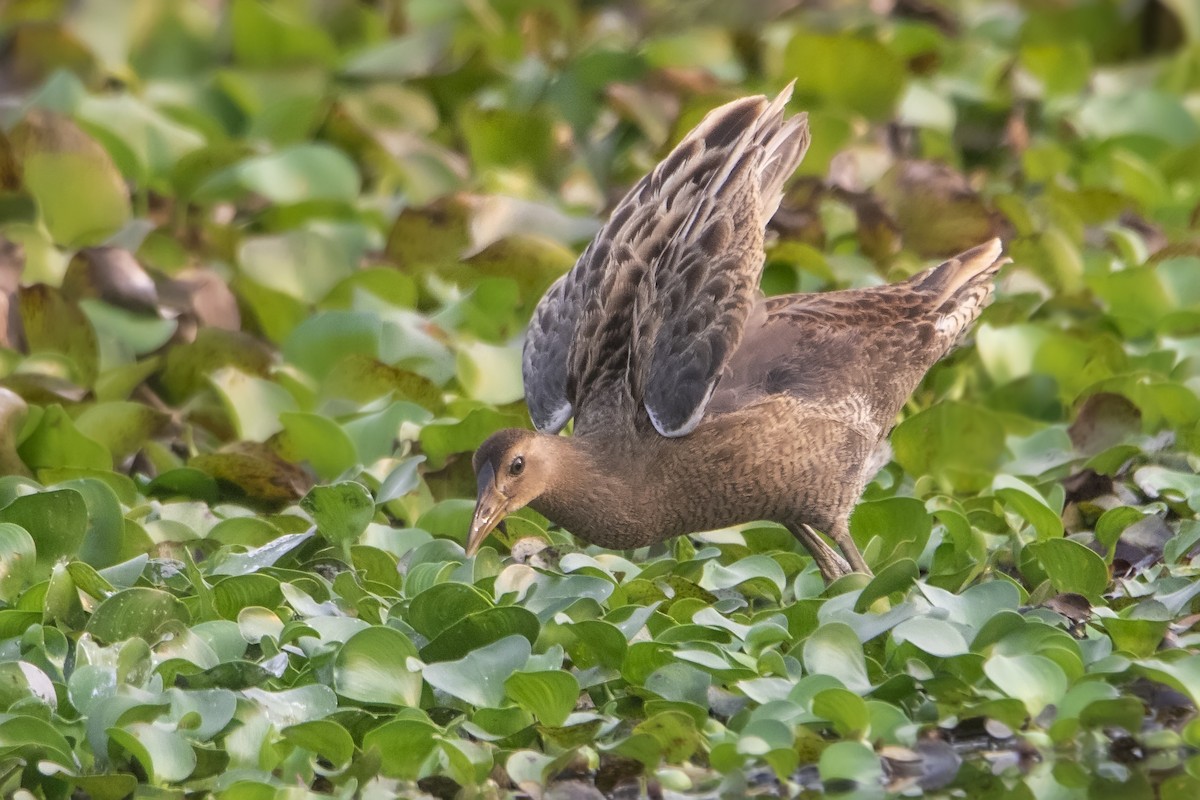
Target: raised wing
[646, 320]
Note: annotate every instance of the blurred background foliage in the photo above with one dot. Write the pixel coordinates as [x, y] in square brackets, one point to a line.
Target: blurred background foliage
[250, 248]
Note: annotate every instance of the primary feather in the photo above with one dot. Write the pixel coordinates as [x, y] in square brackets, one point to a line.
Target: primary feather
[643, 325]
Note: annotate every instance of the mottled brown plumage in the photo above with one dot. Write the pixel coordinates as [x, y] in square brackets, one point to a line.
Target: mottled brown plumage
[699, 404]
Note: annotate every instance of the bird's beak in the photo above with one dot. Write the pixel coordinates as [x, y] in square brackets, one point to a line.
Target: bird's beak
[490, 507]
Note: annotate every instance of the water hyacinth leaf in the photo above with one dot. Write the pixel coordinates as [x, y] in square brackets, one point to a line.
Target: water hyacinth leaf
[1182, 674]
[324, 737]
[304, 263]
[897, 576]
[845, 71]
[403, 746]
[490, 373]
[139, 611]
[102, 541]
[438, 607]
[121, 427]
[291, 175]
[845, 709]
[323, 342]
[929, 443]
[57, 442]
[371, 667]
[36, 739]
[202, 714]
[234, 593]
[293, 706]
[405, 478]
[478, 678]
[254, 404]
[1027, 502]
[834, 649]
[342, 511]
[901, 524]
[18, 557]
[113, 786]
[1137, 637]
[850, 761]
[480, 628]
[316, 440]
[1033, 679]
[267, 555]
[549, 696]
[81, 195]
[763, 572]
[57, 521]
[935, 636]
[675, 734]
[363, 378]
[1072, 567]
[165, 755]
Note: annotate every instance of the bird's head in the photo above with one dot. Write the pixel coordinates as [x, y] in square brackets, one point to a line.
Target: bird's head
[512, 469]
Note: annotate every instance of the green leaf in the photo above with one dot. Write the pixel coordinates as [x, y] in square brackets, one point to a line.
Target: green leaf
[482, 627]
[291, 175]
[81, 196]
[403, 746]
[324, 737]
[1035, 680]
[371, 667]
[56, 442]
[549, 696]
[895, 577]
[18, 557]
[845, 709]
[834, 649]
[845, 71]
[1072, 567]
[478, 678]
[850, 761]
[930, 443]
[140, 611]
[342, 511]
[56, 520]
[935, 636]
[165, 755]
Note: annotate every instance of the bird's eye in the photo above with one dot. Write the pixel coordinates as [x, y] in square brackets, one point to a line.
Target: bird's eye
[517, 466]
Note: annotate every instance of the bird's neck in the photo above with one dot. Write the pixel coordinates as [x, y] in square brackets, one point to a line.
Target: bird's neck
[625, 492]
[598, 491]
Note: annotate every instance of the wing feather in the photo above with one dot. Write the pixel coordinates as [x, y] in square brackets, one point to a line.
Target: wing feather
[645, 321]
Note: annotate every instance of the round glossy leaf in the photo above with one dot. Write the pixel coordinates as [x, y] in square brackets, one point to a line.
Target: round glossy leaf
[481, 628]
[478, 677]
[140, 612]
[850, 761]
[18, 558]
[1033, 679]
[342, 511]
[324, 737]
[833, 649]
[371, 667]
[403, 746]
[1072, 567]
[549, 696]
[845, 709]
[165, 755]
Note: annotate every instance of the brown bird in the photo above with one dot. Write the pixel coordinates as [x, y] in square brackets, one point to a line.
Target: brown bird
[698, 403]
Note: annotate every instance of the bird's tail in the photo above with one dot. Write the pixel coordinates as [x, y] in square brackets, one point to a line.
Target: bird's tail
[960, 288]
[960, 280]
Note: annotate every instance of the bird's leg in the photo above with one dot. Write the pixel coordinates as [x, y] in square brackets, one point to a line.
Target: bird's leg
[829, 561]
[840, 533]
